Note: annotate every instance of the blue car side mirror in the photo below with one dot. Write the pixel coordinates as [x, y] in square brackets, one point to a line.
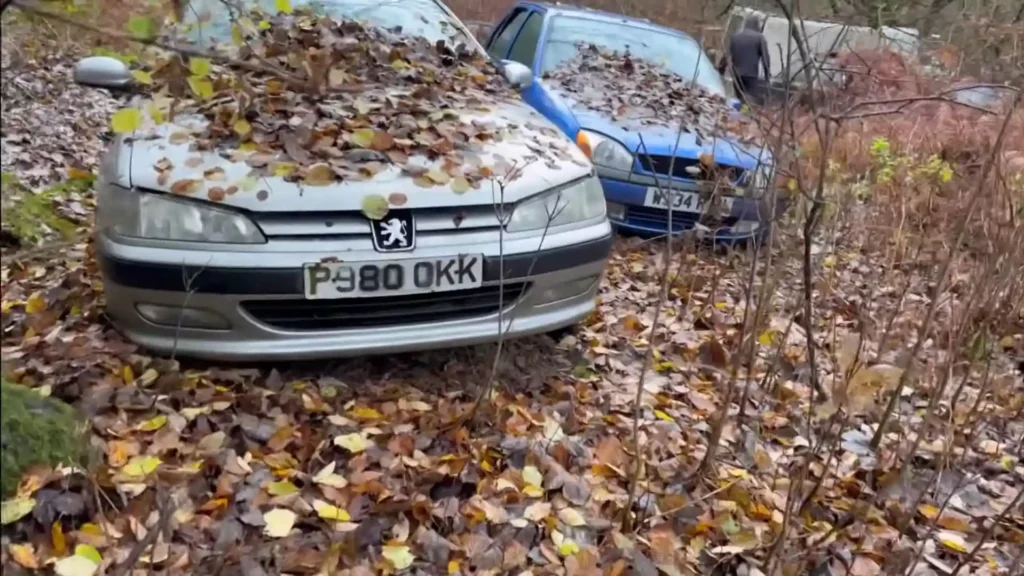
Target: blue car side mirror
[736, 104]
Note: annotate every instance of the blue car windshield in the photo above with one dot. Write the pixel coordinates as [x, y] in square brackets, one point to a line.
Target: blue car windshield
[678, 53]
[209, 21]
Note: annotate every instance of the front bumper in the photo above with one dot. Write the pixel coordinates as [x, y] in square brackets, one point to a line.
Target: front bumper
[749, 219]
[245, 291]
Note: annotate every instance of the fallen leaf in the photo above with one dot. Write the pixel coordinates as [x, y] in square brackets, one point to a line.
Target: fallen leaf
[126, 120]
[279, 522]
[330, 512]
[24, 555]
[354, 442]
[375, 206]
[399, 556]
[572, 517]
[15, 509]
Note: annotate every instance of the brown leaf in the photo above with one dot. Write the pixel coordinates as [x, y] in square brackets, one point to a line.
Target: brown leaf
[186, 186]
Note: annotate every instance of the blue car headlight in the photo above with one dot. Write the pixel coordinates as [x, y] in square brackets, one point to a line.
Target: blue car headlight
[608, 152]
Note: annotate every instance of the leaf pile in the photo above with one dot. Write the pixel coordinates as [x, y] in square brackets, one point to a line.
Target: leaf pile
[629, 88]
[317, 100]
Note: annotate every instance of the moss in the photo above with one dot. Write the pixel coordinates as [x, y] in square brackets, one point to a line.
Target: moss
[36, 430]
[30, 217]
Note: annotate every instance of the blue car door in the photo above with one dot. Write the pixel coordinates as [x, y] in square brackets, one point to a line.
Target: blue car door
[517, 38]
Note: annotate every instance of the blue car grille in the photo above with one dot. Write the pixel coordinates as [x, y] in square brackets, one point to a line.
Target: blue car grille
[660, 165]
[350, 313]
[658, 218]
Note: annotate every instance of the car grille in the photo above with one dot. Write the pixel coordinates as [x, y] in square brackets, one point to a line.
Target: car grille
[660, 165]
[350, 313]
[658, 218]
[340, 225]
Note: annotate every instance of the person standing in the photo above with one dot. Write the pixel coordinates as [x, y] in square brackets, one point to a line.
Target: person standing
[748, 53]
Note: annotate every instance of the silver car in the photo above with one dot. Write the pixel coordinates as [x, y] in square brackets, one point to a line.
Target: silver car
[282, 272]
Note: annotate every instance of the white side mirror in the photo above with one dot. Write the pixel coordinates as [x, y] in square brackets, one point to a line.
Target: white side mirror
[103, 72]
[518, 75]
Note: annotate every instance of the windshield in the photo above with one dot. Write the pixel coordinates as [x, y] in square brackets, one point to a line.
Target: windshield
[207, 21]
[680, 54]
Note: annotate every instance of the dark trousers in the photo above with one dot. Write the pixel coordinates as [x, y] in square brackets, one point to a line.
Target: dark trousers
[750, 89]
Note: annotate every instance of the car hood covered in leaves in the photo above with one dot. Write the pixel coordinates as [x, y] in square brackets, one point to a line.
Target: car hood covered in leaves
[526, 157]
[315, 114]
[651, 110]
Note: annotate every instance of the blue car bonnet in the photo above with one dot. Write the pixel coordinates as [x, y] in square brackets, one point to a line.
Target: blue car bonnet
[642, 134]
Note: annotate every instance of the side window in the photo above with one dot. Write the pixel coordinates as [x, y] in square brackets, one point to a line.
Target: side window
[501, 42]
[525, 46]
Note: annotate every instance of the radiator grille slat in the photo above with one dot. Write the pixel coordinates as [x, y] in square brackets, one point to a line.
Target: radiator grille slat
[301, 314]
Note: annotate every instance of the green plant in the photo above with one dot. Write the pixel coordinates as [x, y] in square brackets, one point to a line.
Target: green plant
[36, 430]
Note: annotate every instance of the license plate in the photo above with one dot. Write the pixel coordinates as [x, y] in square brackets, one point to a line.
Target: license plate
[325, 280]
[683, 201]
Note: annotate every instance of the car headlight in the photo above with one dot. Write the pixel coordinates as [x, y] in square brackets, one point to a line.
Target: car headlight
[157, 216]
[608, 152]
[583, 200]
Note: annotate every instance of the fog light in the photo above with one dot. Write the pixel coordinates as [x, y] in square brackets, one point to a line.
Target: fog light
[616, 211]
[565, 291]
[175, 316]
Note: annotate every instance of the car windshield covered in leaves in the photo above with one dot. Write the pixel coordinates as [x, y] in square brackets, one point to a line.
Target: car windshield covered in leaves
[345, 179]
[648, 106]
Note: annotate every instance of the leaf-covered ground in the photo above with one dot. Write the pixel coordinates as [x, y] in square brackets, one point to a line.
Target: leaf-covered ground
[376, 465]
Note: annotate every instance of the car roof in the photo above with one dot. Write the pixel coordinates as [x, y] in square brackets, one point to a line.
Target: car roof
[603, 16]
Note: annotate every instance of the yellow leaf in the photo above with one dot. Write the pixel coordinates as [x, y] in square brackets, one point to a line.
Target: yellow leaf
[75, 566]
[264, 25]
[152, 424]
[375, 206]
[127, 375]
[766, 338]
[400, 65]
[283, 169]
[363, 137]
[24, 555]
[354, 442]
[282, 488]
[453, 566]
[330, 512]
[201, 87]
[157, 114]
[568, 548]
[199, 66]
[929, 511]
[532, 476]
[126, 120]
[365, 413]
[283, 6]
[86, 551]
[142, 77]
[663, 416]
[242, 127]
[279, 522]
[952, 540]
[36, 303]
[16, 509]
[60, 544]
[399, 556]
[533, 491]
[236, 35]
[141, 466]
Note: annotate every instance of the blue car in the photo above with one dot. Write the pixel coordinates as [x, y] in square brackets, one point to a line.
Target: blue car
[634, 159]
